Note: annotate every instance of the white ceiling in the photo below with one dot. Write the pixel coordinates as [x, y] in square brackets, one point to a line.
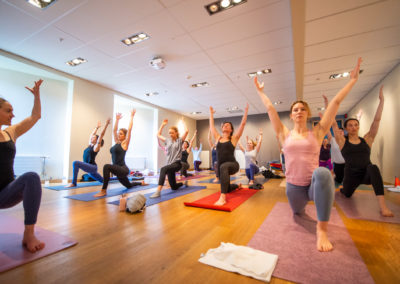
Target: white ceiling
[220, 49]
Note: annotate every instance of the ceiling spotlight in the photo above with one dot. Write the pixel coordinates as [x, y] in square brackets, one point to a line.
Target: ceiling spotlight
[222, 5]
[157, 63]
[42, 4]
[321, 108]
[76, 61]
[202, 84]
[259, 72]
[233, 109]
[151, 94]
[340, 75]
[277, 103]
[195, 112]
[136, 38]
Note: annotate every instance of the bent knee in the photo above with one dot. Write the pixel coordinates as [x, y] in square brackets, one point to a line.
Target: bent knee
[322, 174]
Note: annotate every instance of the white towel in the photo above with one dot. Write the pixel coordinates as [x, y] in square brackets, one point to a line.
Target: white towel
[244, 260]
[394, 189]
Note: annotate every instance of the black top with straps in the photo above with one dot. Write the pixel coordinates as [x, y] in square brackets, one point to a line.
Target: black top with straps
[7, 154]
[118, 155]
[356, 156]
[225, 152]
[185, 156]
[89, 155]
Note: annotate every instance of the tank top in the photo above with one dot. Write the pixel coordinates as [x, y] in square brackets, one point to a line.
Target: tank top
[7, 155]
[357, 156]
[174, 150]
[185, 156]
[118, 155]
[225, 152]
[301, 158]
[250, 158]
[89, 155]
[325, 154]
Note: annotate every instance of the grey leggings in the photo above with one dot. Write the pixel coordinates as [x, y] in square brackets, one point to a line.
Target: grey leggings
[321, 191]
[225, 171]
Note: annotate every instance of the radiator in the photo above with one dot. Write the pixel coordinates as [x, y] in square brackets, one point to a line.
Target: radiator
[136, 163]
[205, 159]
[26, 163]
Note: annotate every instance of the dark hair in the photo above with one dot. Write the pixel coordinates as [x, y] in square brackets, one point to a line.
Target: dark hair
[349, 119]
[233, 129]
[124, 130]
[186, 143]
[102, 143]
[341, 128]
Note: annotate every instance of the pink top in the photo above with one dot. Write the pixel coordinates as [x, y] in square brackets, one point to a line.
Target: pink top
[301, 158]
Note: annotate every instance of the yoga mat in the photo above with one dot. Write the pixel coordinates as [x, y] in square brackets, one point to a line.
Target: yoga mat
[189, 178]
[87, 184]
[110, 192]
[293, 239]
[210, 180]
[234, 199]
[13, 254]
[167, 194]
[365, 206]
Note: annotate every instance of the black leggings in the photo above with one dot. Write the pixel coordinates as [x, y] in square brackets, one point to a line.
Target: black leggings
[121, 172]
[338, 169]
[170, 170]
[185, 167]
[225, 171]
[371, 175]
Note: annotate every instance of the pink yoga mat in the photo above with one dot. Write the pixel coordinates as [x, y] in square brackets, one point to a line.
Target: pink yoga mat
[364, 205]
[13, 254]
[293, 239]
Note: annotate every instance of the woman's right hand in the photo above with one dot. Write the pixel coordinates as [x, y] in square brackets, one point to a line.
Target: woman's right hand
[118, 116]
[356, 71]
[259, 86]
[212, 111]
[165, 122]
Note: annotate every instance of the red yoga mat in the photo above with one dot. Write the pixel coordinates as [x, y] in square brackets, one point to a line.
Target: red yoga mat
[13, 254]
[234, 199]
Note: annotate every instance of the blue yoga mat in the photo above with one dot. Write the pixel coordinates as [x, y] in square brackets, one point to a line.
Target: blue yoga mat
[110, 192]
[85, 184]
[210, 180]
[167, 195]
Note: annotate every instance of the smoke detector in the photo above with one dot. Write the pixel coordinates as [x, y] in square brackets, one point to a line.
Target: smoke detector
[157, 63]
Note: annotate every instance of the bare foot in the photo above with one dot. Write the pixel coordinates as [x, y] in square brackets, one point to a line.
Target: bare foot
[31, 243]
[385, 212]
[323, 243]
[143, 183]
[251, 182]
[239, 186]
[122, 203]
[221, 201]
[103, 192]
[71, 185]
[216, 180]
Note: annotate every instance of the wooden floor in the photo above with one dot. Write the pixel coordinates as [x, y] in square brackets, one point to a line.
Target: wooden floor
[163, 244]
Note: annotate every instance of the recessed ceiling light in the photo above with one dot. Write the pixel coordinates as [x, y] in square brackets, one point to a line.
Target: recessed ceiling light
[340, 75]
[233, 109]
[321, 108]
[259, 72]
[76, 61]
[202, 84]
[42, 4]
[195, 112]
[222, 5]
[151, 94]
[277, 103]
[136, 38]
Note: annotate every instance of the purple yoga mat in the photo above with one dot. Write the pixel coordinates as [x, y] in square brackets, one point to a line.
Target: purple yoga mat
[13, 254]
[293, 239]
[364, 205]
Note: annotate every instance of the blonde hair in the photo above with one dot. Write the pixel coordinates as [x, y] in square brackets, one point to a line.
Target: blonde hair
[253, 142]
[304, 104]
[175, 129]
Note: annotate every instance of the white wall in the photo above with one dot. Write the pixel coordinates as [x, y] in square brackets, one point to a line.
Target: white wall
[385, 149]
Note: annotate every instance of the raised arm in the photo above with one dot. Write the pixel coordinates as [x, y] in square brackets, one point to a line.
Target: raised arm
[118, 116]
[370, 136]
[159, 135]
[238, 134]
[212, 126]
[186, 131]
[210, 140]
[325, 123]
[94, 132]
[125, 143]
[340, 140]
[98, 144]
[280, 129]
[241, 146]
[191, 142]
[23, 126]
[260, 135]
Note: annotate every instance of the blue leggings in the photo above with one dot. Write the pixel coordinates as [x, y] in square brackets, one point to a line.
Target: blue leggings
[89, 168]
[321, 191]
[252, 171]
[26, 188]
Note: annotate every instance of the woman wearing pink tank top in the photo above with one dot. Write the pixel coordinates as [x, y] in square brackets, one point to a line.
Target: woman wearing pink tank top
[305, 179]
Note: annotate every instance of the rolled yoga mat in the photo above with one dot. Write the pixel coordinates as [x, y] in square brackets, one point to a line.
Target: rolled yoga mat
[293, 239]
[234, 199]
[13, 254]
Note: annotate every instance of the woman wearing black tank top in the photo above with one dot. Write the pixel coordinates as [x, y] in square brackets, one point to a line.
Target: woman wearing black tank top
[186, 148]
[356, 152]
[27, 187]
[226, 144]
[118, 151]
[89, 155]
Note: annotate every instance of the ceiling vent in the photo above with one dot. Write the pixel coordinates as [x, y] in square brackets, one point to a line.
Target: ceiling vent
[157, 63]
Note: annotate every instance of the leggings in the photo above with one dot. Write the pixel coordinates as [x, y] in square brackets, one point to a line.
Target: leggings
[185, 167]
[26, 188]
[89, 168]
[252, 171]
[170, 170]
[197, 165]
[338, 169]
[225, 171]
[216, 169]
[321, 191]
[121, 172]
[371, 175]
[325, 164]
